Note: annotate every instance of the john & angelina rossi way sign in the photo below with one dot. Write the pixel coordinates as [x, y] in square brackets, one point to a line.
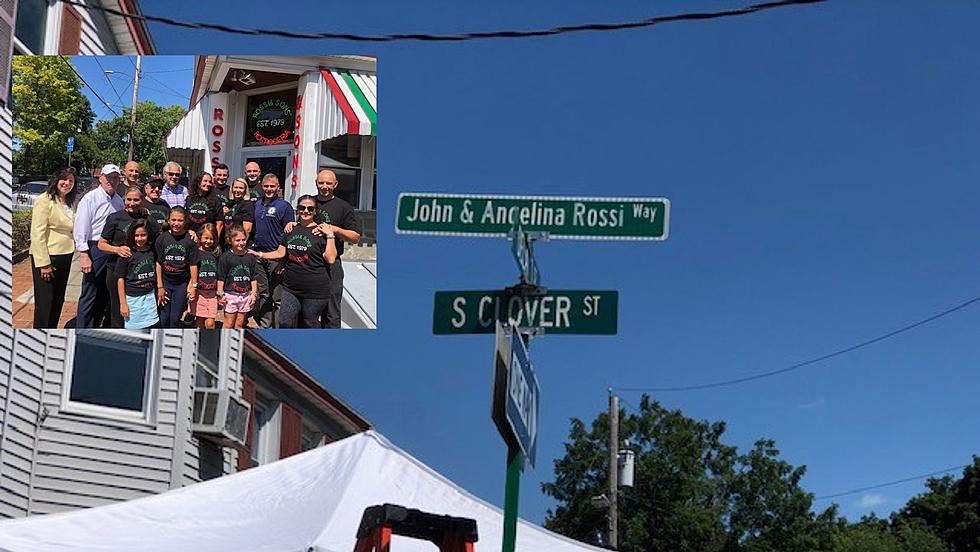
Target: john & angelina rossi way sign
[581, 218]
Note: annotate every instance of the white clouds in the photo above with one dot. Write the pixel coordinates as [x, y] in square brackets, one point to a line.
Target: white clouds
[869, 501]
[812, 404]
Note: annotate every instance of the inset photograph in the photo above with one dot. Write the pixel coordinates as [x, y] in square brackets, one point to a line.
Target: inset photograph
[240, 192]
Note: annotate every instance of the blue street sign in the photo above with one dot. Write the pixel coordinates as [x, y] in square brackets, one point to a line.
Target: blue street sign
[523, 395]
[71, 144]
[521, 248]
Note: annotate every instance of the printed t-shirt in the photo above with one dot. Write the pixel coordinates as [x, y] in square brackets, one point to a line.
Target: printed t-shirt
[175, 256]
[237, 271]
[306, 270]
[338, 212]
[140, 273]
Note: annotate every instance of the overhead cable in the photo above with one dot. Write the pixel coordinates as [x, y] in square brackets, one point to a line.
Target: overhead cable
[798, 365]
[450, 37]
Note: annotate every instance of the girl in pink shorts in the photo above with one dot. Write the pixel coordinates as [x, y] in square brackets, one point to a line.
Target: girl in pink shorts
[203, 292]
[237, 288]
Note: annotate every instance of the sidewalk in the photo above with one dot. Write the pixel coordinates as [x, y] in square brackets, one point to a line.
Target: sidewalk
[23, 289]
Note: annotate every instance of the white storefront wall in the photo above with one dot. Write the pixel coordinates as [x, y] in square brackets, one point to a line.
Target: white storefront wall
[217, 125]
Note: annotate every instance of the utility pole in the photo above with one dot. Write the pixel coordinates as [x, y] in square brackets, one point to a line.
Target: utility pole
[132, 114]
[613, 470]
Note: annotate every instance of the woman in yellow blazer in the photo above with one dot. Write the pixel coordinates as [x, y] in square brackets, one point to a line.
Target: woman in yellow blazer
[52, 246]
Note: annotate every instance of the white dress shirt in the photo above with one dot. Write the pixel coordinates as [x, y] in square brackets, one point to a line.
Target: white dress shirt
[93, 209]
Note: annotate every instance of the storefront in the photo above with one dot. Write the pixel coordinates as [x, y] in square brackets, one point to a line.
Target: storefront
[292, 115]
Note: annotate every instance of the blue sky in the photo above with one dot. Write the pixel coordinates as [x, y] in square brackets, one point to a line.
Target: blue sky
[166, 80]
[821, 164]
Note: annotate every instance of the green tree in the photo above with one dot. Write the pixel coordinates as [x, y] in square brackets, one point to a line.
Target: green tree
[950, 509]
[110, 140]
[872, 534]
[48, 107]
[692, 492]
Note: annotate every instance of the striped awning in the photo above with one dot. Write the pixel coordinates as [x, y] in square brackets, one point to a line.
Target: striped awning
[356, 94]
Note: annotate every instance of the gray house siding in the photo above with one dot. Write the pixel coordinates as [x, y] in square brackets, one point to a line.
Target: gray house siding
[96, 35]
[53, 460]
[11, 504]
[195, 469]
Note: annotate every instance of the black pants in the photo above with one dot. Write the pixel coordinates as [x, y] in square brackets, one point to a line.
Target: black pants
[94, 299]
[264, 310]
[331, 315]
[49, 296]
[111, 282]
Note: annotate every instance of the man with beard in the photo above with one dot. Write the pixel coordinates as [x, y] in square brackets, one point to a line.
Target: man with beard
[252, 174]
[221, 181]
[131, 177]
[346, 228]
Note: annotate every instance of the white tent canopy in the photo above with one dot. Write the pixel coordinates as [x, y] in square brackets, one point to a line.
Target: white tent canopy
[309, 502]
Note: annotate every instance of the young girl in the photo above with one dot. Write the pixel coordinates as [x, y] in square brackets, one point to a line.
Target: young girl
[138, 279]
[237, 288]
[203, 291]
[176, 267]
[113, 241]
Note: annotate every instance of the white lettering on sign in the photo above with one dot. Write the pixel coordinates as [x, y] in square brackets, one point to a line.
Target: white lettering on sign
[458, 304]
[522, 396]
[431, 212]
[550, 311]
[583, 215]
[591, 307]
[644, 211]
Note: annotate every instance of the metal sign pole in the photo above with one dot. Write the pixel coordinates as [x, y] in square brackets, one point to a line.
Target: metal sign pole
[515, 461]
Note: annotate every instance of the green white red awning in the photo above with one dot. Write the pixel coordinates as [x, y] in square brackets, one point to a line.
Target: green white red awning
[356, 95]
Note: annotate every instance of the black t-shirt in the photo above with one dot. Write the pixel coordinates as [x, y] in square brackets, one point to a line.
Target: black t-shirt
[201, 210]
[239, 211]
[338, 212]
[237, 271]
[158, 212]
[117, 225]
[207, 271]
[176, 256]
[306, 270]
[140, 272]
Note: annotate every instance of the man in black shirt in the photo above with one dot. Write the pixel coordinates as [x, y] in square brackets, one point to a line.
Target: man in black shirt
[346, 228]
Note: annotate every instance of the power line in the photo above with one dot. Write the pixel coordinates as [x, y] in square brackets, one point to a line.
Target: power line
[798, 365]
[163, 84]
[167, 71]
[453, 37]
[896, 482]
[72, 67]
[104, 74]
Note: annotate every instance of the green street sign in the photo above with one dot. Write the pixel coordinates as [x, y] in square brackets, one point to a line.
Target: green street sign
[583, 218]
[556, 312]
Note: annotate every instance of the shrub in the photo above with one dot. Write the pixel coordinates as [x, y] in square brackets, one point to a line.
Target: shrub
[21, 230]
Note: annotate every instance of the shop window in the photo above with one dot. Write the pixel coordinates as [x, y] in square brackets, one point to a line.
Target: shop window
[32, 22]
[208, 370]
[342, 155]
[112, 373]
[270, 119]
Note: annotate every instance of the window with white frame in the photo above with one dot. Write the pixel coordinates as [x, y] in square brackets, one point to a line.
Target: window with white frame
[208, 369]
[265, 432]
[112, 374]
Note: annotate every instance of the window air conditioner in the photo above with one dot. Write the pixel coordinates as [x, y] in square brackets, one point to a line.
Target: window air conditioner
[220, 417]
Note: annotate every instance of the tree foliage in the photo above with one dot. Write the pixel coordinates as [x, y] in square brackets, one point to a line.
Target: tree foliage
[153, 122]
[950, 509]
[692, 492]
[48, 107]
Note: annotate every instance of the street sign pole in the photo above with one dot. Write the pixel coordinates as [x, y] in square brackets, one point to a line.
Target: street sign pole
[515, 461]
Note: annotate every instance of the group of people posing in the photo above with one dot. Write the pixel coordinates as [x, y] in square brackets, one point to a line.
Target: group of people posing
[158, 254]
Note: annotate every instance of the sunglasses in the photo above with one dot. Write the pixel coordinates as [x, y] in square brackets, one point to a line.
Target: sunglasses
[173, 174]
[155, 185]
[310, 208]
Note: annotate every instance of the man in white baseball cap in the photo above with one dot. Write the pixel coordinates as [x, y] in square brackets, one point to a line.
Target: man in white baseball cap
[90, 217]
